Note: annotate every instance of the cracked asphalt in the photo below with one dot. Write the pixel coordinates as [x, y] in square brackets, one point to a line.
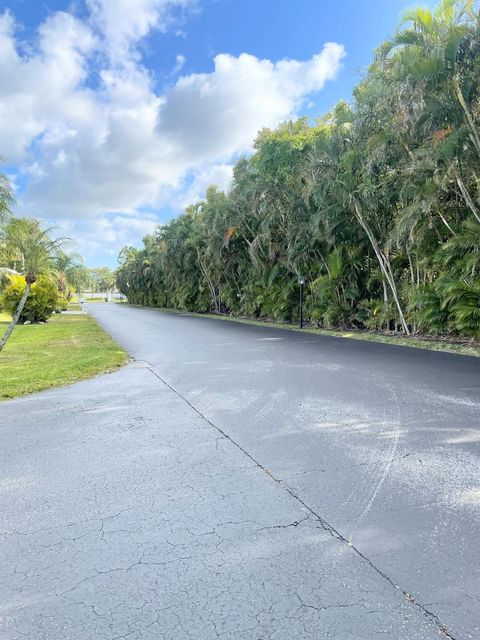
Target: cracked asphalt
[245, 483]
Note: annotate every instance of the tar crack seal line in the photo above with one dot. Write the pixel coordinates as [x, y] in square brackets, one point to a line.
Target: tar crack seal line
[408, 597]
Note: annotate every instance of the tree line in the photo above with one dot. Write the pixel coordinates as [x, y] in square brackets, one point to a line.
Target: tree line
[39, 274]
[376, 204]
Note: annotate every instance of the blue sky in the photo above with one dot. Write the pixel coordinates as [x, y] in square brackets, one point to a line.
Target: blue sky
[115, 114]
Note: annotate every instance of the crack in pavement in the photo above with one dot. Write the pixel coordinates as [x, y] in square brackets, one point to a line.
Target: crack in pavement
[329, 528]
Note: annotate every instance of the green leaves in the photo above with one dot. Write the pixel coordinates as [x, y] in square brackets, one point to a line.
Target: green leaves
[6, 199]
[41, 303]
[377, 204]
[28, 247]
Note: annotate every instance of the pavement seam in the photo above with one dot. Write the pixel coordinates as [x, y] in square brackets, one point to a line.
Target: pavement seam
[432, 617]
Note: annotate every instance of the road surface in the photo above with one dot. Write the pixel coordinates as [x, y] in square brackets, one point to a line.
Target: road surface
[244, 482]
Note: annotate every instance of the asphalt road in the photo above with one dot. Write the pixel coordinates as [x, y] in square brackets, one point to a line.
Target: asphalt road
[244, 482]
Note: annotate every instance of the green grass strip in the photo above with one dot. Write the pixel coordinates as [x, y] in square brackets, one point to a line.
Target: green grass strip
[66, 349]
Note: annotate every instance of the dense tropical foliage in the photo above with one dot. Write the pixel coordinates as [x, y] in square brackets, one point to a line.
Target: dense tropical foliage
[377, 204]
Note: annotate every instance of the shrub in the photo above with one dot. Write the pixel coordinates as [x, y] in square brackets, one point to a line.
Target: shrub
[461, 297]
[41, 302]
[4, 282]
[62, 303]
[375, 314]
[426, 309]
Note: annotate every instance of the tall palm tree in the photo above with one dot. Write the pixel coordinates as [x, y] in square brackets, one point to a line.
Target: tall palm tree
[30, 250]
[377, 204]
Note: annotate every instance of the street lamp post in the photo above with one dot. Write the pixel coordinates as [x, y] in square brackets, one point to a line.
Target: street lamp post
[301, 282]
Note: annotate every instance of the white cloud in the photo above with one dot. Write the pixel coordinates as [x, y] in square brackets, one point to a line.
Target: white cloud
[214, 115]
[44, 92]
[179, 64]
[124, 23]
[107, 234]
[96, 144]
[218, 174]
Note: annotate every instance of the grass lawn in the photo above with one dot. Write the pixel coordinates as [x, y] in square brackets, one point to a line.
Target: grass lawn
[62, 351]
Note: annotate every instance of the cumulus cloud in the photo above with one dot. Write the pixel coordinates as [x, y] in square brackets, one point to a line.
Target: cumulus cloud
[192, 191]
[44, 95]
[215, 115]
[124, 23]
[94, 143]
[108, 234]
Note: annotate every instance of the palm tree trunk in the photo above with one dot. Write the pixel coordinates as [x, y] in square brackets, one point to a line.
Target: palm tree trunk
[412, 275]
[466, 195]
[443, 219]
[210, 286]
[467, 112]
[15, 318]
[384, 263]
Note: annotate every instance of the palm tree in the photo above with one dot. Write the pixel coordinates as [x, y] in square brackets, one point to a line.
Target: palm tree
[30, 250]
[436, 57]
[6, 199]
[377, 204]
[71, 271]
